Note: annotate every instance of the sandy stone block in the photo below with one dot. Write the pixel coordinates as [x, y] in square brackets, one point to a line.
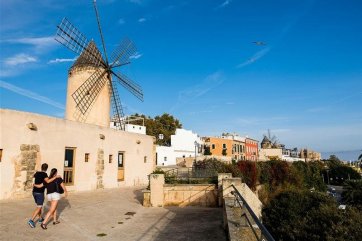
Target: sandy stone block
[35, 148]
[24, 147]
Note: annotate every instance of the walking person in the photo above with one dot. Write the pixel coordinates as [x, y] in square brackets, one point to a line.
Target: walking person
[54, 191]
[40, 177]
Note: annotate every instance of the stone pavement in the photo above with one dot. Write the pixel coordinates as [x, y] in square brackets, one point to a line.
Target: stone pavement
[111, 214]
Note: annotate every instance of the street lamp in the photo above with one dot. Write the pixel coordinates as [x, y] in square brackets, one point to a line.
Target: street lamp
[196, 146]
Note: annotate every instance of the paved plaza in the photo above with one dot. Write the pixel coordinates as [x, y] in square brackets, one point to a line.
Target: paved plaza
[112, 214]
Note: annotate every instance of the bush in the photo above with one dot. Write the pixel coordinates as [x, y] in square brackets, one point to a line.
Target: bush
[352, 193]
[305, 215]
[249, 172]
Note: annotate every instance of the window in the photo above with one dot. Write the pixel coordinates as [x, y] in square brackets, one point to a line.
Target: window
[213, 146]
[1, 154]
[224, 146]
[86, 157]
[145, 159]
[120, 159]
[110, 158]
[165, 159]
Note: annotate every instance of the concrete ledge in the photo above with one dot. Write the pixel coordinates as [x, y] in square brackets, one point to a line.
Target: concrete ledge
[236, 227]
[204, 195]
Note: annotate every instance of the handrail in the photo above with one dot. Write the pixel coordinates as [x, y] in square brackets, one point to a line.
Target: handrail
[264, 231]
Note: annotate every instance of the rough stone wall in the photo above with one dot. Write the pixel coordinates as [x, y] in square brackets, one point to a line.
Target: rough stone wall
[25, 169]
[100, 168]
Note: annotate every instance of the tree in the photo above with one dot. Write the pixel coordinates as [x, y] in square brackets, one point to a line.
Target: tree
[305, 215]
[352, 193]
[165, 124]
[249, 172]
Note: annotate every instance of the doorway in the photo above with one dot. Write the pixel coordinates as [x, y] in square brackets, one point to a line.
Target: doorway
[69, 166]
[120, 166]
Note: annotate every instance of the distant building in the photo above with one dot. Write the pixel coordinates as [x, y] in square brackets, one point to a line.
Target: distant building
[252, 149]
[182, 146]
[310, 155]
[220, 147]
[238, 152]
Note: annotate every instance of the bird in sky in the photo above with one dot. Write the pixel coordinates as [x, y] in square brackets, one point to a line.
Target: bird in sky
[259, 43]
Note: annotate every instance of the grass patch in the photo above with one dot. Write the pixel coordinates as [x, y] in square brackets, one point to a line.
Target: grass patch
[101, 235]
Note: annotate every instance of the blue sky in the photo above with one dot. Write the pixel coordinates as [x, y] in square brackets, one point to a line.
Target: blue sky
[197, 61]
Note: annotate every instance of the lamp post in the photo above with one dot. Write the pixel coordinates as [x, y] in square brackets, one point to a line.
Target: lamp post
[328, 176]
[196, 145]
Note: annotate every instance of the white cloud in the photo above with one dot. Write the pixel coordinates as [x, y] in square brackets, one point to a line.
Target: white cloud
[141, 20]
[136, 56]
[121, 21]
[30, 94]
[55, 61]
[193, 92]
[224, 4]
[40, 43]
[258, 55]
[19, 59]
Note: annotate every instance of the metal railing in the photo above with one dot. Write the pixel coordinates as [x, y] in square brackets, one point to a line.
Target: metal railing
[249, 213]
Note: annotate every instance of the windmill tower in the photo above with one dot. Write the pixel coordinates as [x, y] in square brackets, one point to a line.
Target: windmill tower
[93, 78]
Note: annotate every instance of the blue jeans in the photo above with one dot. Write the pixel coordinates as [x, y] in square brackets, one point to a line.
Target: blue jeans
[38, 198]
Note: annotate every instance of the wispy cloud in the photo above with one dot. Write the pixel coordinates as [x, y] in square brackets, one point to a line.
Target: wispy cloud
[258, 55]
[210, 82]
[141, 20]
[224, 4]
[139, 2]
[30, 94]
[19, 59]
[121, 21]
[55, 61]
[40, 43]
[260, 121]
[136, 56]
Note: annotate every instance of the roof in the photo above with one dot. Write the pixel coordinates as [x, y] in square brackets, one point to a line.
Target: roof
[91, 56]
[265, 140]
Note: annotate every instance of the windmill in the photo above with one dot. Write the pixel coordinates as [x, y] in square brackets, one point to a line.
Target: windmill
[99, 87]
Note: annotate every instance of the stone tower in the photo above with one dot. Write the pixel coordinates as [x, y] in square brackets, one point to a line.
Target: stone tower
[99, 112]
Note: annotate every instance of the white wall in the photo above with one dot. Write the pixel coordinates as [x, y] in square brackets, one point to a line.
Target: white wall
[182, 145]
[54, 134]
[165, 156]
[135, 129]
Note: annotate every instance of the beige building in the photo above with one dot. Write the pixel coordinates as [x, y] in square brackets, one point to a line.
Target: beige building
[267, 154]
[310, 155]
[88, 156]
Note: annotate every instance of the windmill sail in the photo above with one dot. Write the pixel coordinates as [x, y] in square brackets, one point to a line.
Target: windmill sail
[85, 96]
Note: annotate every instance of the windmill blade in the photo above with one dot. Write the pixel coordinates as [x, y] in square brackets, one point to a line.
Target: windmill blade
[74, 40]
[85, 95]
[121, 55]
[116, 105]
[127, 83]
[100, 30]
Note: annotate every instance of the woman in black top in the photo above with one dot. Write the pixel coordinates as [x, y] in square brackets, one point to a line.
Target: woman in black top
[53, 196]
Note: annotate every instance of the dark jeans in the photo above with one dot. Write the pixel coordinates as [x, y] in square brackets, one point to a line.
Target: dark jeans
[38, 198]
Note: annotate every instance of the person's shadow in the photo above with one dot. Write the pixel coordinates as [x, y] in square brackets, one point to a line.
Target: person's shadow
[62, 205]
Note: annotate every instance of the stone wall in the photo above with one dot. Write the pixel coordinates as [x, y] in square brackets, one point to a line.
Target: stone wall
[25, 167]
[202, 195]
[100, 168]
[179, 194]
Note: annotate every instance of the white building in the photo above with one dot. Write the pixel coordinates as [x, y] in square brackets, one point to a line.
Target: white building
[183, 145]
